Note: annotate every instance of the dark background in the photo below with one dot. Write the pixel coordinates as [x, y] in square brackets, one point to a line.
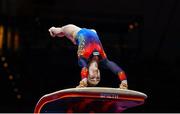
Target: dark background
[142, 37]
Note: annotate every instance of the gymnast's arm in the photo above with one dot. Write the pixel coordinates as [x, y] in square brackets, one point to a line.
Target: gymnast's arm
[69, 31]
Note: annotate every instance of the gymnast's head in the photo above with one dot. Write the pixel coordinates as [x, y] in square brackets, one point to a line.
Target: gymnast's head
[94, 73]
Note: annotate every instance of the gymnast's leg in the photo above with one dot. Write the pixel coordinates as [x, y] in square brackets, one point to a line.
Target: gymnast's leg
[117, 71]
[84, 72]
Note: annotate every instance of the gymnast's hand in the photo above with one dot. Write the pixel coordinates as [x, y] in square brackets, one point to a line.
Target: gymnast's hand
[52, 31]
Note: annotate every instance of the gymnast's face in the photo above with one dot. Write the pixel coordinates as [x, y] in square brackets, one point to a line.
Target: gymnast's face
[94, 74]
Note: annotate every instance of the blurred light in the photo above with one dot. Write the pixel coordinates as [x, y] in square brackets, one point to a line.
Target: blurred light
[10, 77]
[18, 96]
[1, 36]
[15, 89]
[136, 24]
[3, 59]
[5, 65]
[131, 26]
[9, 39]
[16, 41]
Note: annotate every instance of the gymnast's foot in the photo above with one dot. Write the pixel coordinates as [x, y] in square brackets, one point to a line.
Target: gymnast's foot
[123, 85]
[82, 83]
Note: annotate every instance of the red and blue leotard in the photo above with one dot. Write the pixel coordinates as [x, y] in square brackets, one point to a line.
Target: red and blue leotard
[88, 42]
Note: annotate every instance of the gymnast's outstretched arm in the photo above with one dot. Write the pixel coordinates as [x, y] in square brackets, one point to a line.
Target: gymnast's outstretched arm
[69, 31]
